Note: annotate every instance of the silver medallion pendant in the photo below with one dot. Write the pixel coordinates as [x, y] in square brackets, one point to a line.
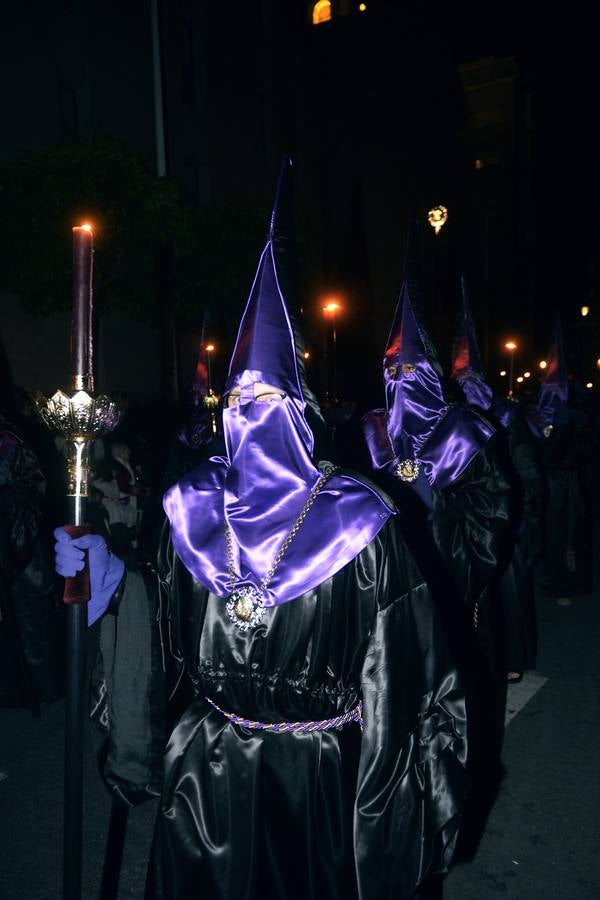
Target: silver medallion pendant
[408, 469]
[245, 608]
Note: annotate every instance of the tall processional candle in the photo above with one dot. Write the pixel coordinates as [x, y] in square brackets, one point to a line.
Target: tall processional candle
[82, 377]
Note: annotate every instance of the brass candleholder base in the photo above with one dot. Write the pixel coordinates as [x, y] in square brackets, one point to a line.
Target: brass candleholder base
[79, 418]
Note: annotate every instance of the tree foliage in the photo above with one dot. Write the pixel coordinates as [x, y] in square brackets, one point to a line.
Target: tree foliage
[43, 194]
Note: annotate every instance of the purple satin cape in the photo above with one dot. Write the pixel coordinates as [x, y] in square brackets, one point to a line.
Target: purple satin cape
[458, 435]
[261, 504]
[477, 392]
[262, 484]
[504, 411]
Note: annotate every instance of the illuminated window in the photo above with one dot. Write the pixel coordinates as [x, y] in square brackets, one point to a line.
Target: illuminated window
[321, 12]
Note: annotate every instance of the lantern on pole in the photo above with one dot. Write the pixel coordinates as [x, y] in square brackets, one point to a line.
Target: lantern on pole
[79, 417]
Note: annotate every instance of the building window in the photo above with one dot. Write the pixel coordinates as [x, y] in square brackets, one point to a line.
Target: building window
[321, 12]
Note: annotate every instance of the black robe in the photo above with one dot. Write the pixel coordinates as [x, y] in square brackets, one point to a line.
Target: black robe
[461, 542]
[565, 566]
[514, 587]
[335, 814]
[31, 633]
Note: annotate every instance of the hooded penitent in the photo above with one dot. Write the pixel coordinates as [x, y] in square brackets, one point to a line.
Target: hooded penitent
[419, 430]
[199, 426]
[467, 370]
[554, 387]
[233, 515]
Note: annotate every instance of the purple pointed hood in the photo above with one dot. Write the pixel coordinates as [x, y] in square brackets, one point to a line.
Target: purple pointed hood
[467, 370]
[262, 484]
[413, 387]
[554, 386]
[197, 428]
[200, 379]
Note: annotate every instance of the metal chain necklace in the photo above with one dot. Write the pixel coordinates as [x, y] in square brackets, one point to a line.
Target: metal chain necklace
[246, 606]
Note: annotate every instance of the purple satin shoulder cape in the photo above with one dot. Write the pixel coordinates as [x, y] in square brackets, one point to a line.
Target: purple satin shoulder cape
[344, 519]
[477, 392]
[458, 436]
[504, 411]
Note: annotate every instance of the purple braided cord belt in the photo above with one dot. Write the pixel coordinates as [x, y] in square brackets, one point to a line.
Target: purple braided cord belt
[355, 715]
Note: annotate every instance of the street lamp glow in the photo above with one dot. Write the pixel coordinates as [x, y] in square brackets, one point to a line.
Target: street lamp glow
[585, 311]
[526, 374]
[86, 227]
[520, 379]
[503, 373]
[362, 6]
[510, 345]
[437, 217]
[210, 348]
[331, 307]
[589, 385]
[542, 364]
[306, 354]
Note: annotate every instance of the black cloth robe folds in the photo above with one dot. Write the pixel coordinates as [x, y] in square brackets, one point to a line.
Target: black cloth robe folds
[247, 814]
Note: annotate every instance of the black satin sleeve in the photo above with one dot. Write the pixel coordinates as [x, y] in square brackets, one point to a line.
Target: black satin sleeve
[127, 702]
[526, 464]
[471, 523]
[411, 781]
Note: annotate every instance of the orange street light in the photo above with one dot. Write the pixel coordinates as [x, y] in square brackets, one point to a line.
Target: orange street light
[210, 348]
[87, 227]
[520, 379]
[503, 373]
[526, 374]
[306, 354]
[511, 346]
[585, 311]
[542, 364]
[331, 308]
[589, 385]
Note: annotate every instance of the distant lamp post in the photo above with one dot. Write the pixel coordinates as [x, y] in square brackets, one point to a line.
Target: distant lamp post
[503, 373]
[589, 385]
[511, 346]
[520, 379]
[306, 354]
[526, 374]
[585, 311]
[362, 7]
[210, 349]
[437, 217]
[331, 310]
[598, 363]
[542, 364]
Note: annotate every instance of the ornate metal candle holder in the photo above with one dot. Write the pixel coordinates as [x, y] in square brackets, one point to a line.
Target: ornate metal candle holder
[79, 418]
